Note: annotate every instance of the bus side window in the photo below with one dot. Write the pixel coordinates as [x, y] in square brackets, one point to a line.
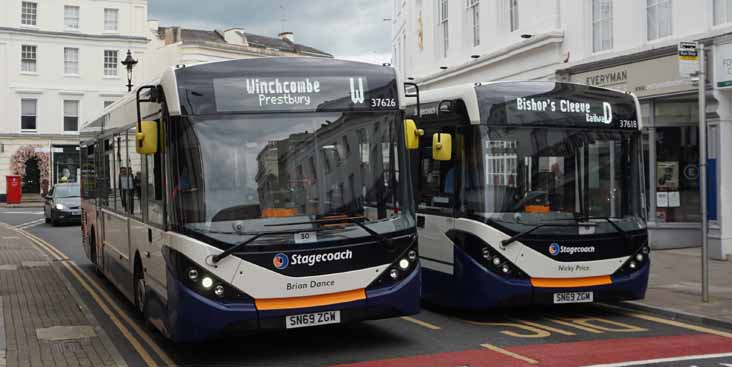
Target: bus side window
[437, 180]
[134, 176]
[107, 174]
[120, 172]
[154, 188]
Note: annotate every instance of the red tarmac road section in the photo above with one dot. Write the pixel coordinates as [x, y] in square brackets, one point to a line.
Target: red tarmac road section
[570, 354]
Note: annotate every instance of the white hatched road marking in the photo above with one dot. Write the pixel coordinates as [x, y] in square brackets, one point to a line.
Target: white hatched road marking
[31, 223]
[663, 360]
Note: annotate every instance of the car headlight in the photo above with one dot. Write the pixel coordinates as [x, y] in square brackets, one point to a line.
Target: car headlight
[60, 206]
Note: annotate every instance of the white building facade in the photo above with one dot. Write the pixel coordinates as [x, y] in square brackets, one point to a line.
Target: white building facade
[60, 66]
[623, 44]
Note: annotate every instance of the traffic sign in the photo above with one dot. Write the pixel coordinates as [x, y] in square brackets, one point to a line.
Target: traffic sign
[688, 59]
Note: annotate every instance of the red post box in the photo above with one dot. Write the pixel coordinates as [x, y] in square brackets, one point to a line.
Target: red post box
[13, 188]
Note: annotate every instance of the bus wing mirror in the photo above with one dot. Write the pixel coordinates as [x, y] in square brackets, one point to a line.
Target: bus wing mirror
[412, 134]
[442, 147]
[147, 138]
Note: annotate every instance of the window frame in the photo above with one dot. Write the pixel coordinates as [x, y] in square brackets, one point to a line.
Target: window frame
[473, 7]
[35, 116]
[597, 22]
[31, 17]
[67, 18]
[720, 18]
[107, 21]
[23, 58]
[656, 5]
[443, 17]
[67, 61]
[513, 16]
[107, 64]
[65, 115]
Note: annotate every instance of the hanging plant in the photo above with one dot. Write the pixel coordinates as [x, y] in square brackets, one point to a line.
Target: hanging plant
[28, 152]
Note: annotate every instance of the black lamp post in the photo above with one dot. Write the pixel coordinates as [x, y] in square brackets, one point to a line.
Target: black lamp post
[129, 63]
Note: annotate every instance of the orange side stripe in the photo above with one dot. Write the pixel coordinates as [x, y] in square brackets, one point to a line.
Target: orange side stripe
[570, 282]
[309, 301]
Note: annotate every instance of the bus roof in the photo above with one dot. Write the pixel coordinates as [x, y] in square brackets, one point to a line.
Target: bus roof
[261, 85]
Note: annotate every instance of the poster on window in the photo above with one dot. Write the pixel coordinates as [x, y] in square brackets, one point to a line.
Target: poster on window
[667, 176]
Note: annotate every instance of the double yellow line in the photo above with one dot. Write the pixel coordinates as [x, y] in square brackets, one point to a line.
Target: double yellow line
[98, 293]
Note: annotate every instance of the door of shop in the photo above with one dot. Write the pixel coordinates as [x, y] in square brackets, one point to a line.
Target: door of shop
[32, 178]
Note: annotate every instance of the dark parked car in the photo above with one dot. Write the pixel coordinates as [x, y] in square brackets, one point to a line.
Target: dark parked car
[63, 204]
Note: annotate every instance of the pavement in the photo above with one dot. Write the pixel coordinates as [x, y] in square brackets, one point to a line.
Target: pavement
[43, 321]
[675, 287]
[581, 335]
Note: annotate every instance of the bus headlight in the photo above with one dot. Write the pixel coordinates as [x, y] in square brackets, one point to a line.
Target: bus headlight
[633, 265]
[394, 274]
[639, 257]
[506, 269]
[196, 278]
[219, 291]
[404, 264]
[646, 250]
[412, 255]
[496, 261]
[193, 274]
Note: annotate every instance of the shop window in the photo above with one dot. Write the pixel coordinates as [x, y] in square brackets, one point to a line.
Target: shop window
[677, 162]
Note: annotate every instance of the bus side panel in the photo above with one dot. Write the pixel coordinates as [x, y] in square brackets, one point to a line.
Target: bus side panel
[117, 259]
[88, 222]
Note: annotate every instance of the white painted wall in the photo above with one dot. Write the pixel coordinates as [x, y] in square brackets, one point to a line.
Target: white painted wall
[48, 84]
[571, 18]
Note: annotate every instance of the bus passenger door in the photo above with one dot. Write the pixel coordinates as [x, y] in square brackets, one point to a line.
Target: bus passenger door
[436, 197]
[155, 239]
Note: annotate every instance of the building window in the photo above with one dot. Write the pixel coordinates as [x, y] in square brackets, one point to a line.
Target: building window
[110, 63]
[722, 11]
[111, 20]
[28, 114]
[71, 116]
[474, 11]
[28, 59]
[443, 26]
[513, 15]
[71, 61]
[659, 19]
[29, 13]
[71, 17]
[602, 25]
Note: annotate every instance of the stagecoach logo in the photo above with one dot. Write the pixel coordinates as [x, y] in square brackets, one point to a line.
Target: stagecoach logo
[357, 91]
[281, 261]
[555, 249]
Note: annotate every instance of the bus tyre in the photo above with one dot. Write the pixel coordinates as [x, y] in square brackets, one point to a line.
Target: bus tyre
[140, 292]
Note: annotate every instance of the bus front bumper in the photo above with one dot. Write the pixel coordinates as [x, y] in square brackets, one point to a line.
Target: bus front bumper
[192, 317]
[476, 288]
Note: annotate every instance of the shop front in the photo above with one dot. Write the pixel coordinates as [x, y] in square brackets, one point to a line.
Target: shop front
[670, 112]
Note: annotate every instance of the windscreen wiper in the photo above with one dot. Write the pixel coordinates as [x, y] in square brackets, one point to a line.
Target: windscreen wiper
[384, 241]
[255, 236]
[518, 236]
